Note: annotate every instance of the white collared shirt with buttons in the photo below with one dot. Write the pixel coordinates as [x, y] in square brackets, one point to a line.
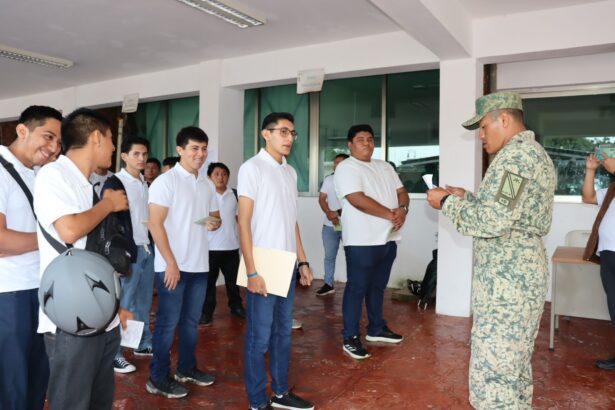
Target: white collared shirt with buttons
[328, 188]
[273, 188]
[137, 193]
[226, 237]
[60, 189]
[19, 272]
[188, 199]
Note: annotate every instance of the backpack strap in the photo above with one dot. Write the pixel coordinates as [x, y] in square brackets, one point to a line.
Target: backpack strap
[235, 193]
[57, 245]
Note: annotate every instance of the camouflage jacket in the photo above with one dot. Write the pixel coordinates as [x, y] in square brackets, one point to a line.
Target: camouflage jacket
[515, 195]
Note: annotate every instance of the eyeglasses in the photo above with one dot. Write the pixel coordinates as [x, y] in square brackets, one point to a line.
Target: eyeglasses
[285, 132]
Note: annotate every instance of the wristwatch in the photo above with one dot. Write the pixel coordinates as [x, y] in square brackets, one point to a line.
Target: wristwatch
[443, 200]
[405, 208]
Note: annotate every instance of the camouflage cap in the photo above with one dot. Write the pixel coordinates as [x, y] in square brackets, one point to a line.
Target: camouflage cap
[492, 102]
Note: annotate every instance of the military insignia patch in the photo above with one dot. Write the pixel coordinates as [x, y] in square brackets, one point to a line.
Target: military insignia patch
[510, 190]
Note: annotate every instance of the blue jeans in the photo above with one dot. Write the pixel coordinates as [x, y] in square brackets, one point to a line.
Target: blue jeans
[179, 308]
[269, 323]
[24, 368]
[137, 292]
[331, 242]
[368, 269]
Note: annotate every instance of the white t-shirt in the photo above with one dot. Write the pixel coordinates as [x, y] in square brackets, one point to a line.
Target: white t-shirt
[60, 189]
[226, 237]
[606, 231]
[328, 188]
[188, 199]
[273, 188]
[378, 180]
[99, 180]
[18, 272]
[137, 193]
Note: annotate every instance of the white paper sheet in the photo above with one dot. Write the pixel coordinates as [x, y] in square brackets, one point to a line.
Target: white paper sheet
[428, 178]
[275, 266]
[131, 337]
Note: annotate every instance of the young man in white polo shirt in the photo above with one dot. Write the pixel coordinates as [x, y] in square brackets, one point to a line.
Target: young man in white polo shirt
[81, 367]
[223, 247]
[267, 188]
[178, 198]
[374, 208]
[138, 287]
[24, 367]
[331, 234]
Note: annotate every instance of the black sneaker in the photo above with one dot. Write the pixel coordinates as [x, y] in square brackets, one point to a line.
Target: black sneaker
[386, 335]
[325, 290]
[263, 407]
[608, 364]
[205, 320]
[195, 376]
[167, 387]
[355, 349]
[291, 401]
[239, 311]
[121, 365]
[144, 352]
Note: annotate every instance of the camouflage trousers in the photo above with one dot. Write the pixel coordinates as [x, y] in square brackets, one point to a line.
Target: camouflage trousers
[508, 295]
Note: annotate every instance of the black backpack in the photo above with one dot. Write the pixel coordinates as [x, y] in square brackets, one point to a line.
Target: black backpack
[109, 238]
[425, 289]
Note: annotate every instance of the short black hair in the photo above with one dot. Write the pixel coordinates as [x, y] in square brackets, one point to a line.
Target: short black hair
[355, 129]
[130, 141]
[153, 160]
[79, 124]
[214, 165]
[190, 133]
[272, 119]
[341, 155]
[170, 161]
[36, 115]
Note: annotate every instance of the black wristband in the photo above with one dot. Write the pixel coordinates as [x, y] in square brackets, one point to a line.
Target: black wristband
[300, 264]
[443, 200]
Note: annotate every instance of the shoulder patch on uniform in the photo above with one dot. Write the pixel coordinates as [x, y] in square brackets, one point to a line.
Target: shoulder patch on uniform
[511, 187]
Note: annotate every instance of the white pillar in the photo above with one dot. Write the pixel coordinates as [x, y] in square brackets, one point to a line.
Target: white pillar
[460, 165]
[221, 117]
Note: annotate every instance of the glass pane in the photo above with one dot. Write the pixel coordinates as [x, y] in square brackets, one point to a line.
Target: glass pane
[183, 112]
[413, 110]
[344, 103]
[284, 98]
[570, 128]
[250, 125]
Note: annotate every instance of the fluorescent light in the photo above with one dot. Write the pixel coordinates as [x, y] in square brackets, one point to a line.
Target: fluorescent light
[230, 14]
[35, 58]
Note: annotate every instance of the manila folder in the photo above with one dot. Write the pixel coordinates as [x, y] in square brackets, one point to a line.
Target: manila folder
[276, 267]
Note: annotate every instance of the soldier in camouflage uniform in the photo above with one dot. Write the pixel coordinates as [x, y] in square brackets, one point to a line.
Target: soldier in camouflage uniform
[507, 218]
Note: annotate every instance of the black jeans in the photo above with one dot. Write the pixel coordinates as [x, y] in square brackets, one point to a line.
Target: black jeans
[607, 274]
[228, 262]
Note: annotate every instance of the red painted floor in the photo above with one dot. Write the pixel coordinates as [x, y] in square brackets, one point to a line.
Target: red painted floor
[427, 371]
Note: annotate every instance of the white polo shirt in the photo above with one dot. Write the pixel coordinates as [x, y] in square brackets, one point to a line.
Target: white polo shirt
[137, 193]
[19, 272]
[376, 179]
[188, 199]
[226, 237]
[273, 188]
[60, 189]
[328, 188]
[606, 231]
[99, 180]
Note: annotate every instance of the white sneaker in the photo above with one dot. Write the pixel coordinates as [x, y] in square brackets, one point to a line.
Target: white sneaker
[121, 365]
[297, 324]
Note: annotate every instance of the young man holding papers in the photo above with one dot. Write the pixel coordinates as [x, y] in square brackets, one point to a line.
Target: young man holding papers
[267, 188]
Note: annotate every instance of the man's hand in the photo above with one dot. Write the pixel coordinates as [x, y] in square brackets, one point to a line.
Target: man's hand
[125, 315]
[306, 275]
[171, 276]
[398, 219]
[117, 199]
[592, 163]
[212, 226]
[333, 216]
[435, 195]
[256, 284]
[457, 191]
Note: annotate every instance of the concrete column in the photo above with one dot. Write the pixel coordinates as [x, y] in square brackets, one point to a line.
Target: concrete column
[460, 165]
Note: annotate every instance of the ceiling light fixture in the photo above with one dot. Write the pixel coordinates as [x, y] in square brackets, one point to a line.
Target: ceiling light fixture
[35, 58]
[230, 14]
